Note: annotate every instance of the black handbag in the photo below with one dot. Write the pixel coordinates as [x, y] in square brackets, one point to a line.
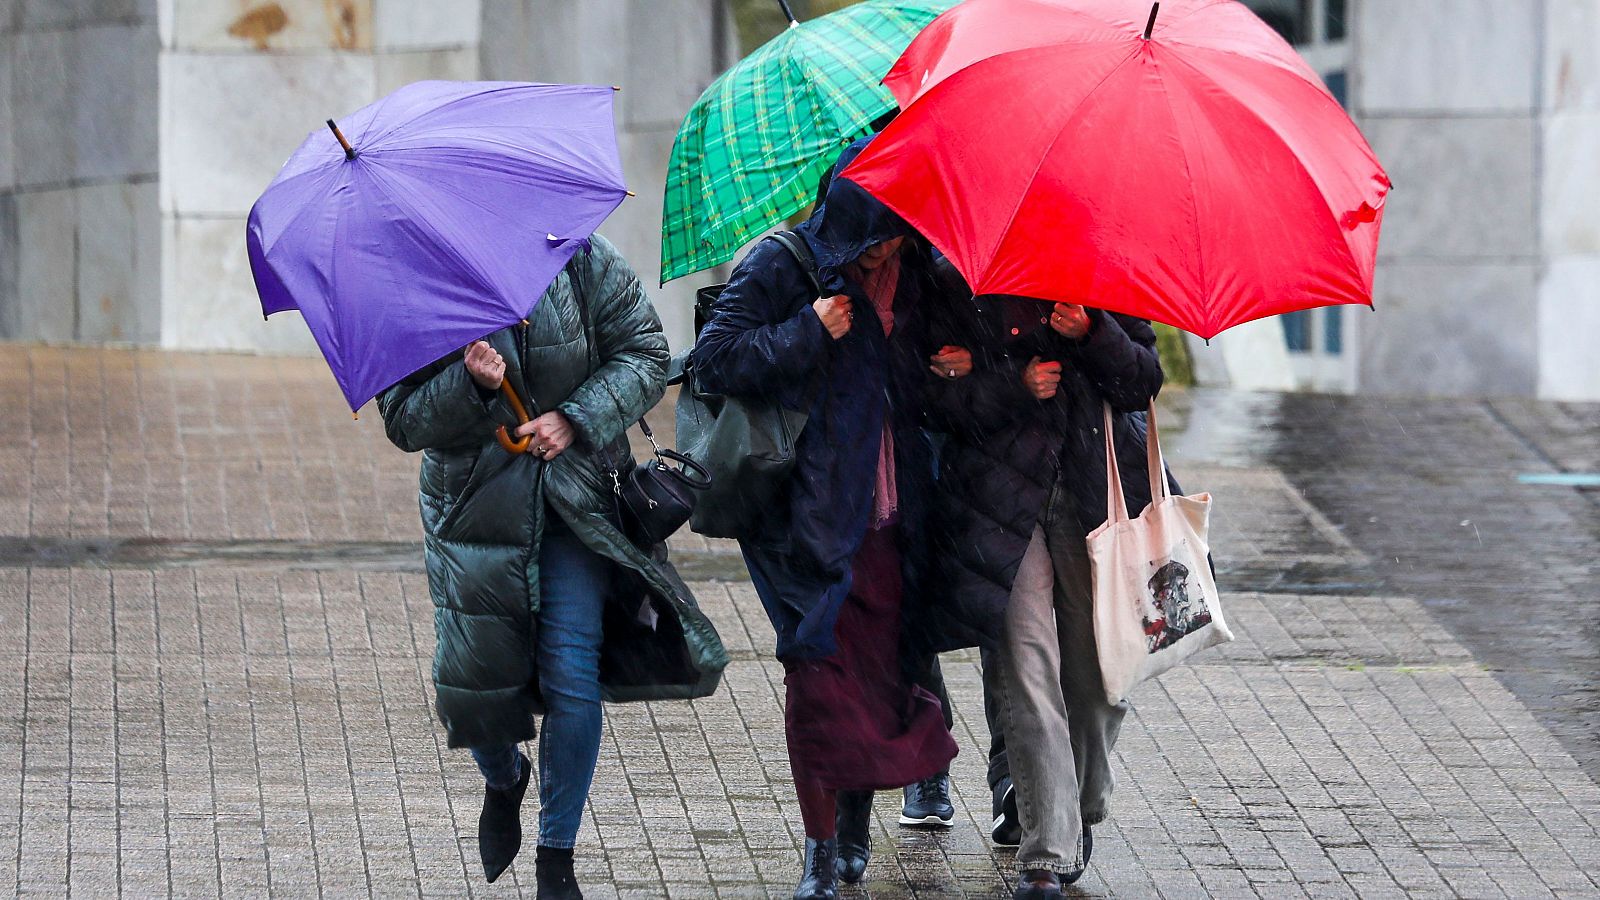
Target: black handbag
[658, 495]
[654, 498]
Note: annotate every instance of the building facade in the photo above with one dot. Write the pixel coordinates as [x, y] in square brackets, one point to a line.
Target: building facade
[135, 134]
[1486, 114]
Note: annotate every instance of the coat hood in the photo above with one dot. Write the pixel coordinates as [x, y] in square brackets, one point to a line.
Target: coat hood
[849, 221]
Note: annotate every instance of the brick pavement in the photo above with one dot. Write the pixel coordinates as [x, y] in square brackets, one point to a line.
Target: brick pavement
[208, 726]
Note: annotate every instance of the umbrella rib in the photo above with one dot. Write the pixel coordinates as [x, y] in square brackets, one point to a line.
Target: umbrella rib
[1194, 199]
[1184, 15]
[1045, 155]
[433, 110]
[483, 282]
[301, 213]
[1334, 214]
[553, 173]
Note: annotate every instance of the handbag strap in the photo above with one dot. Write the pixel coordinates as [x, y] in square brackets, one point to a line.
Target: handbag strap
[801, 251]
[1116, 502]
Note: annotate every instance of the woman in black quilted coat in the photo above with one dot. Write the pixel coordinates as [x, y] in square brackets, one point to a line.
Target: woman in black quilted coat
[1022, 483]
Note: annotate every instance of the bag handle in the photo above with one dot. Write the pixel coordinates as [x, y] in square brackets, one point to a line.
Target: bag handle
[1159, 488]
[1116, 502]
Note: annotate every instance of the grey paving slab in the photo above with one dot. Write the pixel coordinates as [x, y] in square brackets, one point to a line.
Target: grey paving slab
[205, 725]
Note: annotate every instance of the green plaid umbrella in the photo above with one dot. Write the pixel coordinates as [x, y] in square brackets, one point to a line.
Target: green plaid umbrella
[751, 150]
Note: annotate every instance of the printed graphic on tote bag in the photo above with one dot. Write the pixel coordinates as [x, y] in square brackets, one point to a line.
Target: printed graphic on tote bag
[1175, 607]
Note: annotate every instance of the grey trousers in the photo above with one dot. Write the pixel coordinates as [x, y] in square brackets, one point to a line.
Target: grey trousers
[1059, 728]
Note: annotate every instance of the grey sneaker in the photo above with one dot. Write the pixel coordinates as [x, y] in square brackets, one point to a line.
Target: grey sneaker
[927, 803]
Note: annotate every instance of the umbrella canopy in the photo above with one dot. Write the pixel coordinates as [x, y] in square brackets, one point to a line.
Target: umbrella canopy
[455, 206]
[751, 149]
[1186, 167]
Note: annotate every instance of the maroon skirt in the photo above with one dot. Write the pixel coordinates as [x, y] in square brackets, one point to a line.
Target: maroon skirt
[852, 720]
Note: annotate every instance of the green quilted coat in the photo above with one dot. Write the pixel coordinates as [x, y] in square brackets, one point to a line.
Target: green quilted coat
[483, 508]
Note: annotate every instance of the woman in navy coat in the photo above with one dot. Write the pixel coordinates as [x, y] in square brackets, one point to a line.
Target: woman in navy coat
[845, 543]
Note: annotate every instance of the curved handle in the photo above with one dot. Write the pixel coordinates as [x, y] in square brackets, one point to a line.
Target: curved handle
[692, 473]
[518, 445]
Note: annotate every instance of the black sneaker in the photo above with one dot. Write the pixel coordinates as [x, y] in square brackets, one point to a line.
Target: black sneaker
[1007, 828]
[1038, 884]
[927, 803]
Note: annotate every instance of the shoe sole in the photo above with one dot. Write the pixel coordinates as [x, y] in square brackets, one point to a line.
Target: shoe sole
[927, 822]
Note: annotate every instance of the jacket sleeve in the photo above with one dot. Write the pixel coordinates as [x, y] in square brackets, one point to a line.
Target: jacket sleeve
[749, 346]
[989, 398]
[1119, 356]
[631, 373]
[437, 407]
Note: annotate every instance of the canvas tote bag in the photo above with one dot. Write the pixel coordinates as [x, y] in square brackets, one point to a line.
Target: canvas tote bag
[1155, 600]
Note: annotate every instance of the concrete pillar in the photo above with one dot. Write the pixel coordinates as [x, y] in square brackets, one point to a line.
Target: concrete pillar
[663, 53]
[242, 84]
[78, 215]
[1448, 96]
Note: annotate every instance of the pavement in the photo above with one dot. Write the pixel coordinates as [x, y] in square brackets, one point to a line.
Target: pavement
[215, 642]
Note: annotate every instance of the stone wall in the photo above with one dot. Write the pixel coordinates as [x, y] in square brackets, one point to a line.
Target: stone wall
[1487, 114]
[79, 227]
[242, 84]
[663, 53]
[1448, 96]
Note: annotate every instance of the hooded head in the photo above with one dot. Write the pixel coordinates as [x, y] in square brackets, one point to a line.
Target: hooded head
[849, 221]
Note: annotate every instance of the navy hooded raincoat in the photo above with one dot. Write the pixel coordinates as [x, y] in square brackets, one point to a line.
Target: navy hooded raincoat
[764, 339]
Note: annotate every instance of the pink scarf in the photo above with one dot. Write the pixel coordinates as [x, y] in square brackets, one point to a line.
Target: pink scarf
[880, 285]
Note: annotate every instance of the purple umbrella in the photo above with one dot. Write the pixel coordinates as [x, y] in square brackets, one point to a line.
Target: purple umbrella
[442, 220]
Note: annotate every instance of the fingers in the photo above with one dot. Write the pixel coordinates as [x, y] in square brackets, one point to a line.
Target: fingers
[480, 355]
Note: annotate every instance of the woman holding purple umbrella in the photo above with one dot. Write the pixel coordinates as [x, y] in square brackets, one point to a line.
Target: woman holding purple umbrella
[537, 592]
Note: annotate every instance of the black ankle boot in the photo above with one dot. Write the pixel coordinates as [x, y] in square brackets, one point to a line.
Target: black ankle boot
[818, 880]
[854, 822]
[500, 824]
[553, 872]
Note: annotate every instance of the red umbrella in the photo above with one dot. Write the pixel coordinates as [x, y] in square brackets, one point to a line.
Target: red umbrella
[1185, 166]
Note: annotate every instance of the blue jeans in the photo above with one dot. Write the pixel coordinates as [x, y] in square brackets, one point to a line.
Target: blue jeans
[573, 583]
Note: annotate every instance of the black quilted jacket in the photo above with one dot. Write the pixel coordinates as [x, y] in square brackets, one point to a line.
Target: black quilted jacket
[1005, 449]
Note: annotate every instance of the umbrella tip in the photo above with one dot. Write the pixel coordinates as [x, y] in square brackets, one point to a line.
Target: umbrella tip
[355, 416]
[630, 193]
[1151, 24]
[349, 151]
[788, 13]
[616, 87]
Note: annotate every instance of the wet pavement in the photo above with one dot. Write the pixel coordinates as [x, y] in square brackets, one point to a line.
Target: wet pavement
[1428, 491]
[215, 643]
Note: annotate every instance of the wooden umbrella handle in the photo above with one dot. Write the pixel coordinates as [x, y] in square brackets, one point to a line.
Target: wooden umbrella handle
[519, 445]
